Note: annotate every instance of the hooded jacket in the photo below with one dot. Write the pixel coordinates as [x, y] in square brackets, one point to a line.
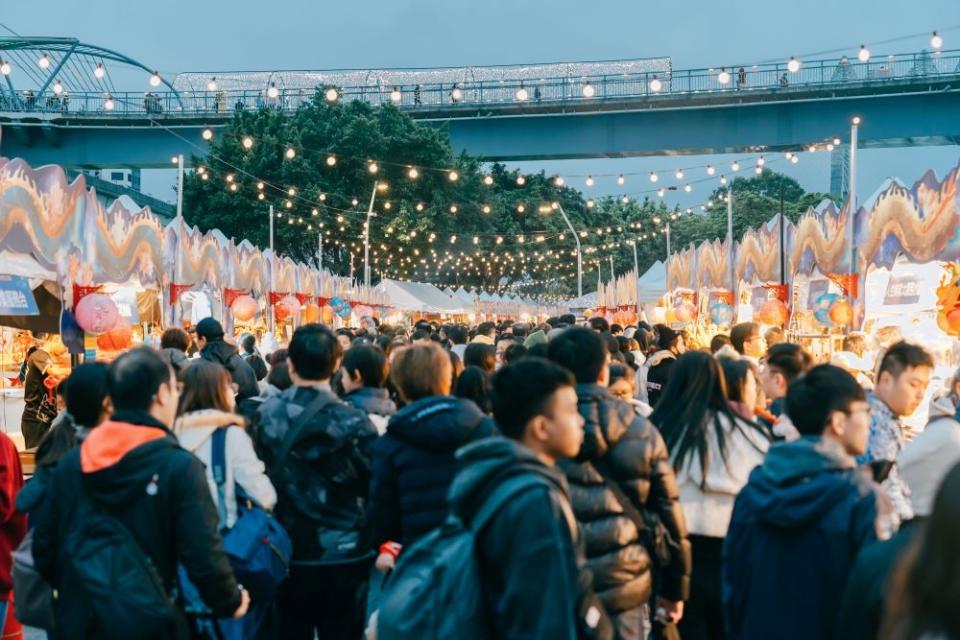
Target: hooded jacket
[374, 402]
[536, 585]
[414, 464]
[796, 530]
[195, 431]
[226, 354]
[926, 459]
[658, 369]
[632, 452]
[133, 468]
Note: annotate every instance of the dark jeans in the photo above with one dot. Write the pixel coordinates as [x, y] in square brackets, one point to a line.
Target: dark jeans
[327, 599]
[703, 612]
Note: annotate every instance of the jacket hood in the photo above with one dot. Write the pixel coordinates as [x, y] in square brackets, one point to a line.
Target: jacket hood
[174, 356]
[219, 351]
[484, 463]
[121, 457]
[372, 400]
[660, 356]
[942, 406]
[193, 428]
[800, 481]
[437, 423]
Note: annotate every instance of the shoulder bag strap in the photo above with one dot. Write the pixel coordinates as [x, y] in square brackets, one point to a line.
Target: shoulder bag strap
[297, 424]
[509, 488]
[628, 508]
[218, 464]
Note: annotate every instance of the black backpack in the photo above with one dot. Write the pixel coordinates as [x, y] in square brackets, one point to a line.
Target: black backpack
[124, 592]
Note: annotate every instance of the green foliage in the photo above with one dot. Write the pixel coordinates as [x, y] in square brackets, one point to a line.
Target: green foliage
[400, 233]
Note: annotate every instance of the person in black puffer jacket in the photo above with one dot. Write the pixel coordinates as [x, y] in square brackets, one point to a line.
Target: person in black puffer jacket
[622, 447]
[214, 349]
[414, 464]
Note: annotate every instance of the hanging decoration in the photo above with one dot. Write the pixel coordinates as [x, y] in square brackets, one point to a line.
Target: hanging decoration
[244, 308]
[176, 290]
[721, 313]
[822, 306]
[97, 313]
[773, 312]
[287, 307]
[948, 300]
[118, 338]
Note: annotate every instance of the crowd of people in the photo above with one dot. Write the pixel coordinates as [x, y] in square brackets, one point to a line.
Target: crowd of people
[612, 482]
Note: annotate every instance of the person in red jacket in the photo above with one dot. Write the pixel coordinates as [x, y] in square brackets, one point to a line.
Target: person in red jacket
[13, 527]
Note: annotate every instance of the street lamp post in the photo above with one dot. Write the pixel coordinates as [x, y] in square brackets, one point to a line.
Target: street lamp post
[852, 206]
[366, 236]
[576, 239]
[270, 288]
[733, 267]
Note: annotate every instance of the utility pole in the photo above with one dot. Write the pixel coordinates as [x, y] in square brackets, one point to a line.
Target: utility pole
[576, 239]
[366, 238]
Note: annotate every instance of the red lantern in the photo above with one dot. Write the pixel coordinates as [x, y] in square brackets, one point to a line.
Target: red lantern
[287, 308]
[953, 322]
[773, 312]
[118, 338]
[244, 308]
[841, 312]
[96, 313]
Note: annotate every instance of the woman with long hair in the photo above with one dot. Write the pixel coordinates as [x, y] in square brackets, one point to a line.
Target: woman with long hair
[713, 451]
[742, 390]
[922, 600]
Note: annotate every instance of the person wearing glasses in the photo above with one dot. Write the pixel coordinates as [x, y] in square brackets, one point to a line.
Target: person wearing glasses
[748, 341]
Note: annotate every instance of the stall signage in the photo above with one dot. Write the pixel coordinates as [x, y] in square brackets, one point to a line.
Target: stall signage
[16, 298]
[902, 289]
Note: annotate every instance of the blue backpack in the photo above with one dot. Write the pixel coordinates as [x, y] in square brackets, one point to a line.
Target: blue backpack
[257, 545]
[435, 592]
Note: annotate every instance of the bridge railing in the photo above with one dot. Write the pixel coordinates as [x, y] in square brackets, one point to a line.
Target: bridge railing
[818, 74]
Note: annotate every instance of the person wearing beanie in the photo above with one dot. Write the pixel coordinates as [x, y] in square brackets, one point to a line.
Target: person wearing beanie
[214, 349]
[670, 343]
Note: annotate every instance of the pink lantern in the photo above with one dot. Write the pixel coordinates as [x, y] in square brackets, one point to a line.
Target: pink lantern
[363, 310]
[244, 308]
[288, 307]
[96, 313]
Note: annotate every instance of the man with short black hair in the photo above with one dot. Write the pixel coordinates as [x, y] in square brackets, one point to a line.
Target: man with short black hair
[503, 344]
[486, 333]
[458, 336]
[622, 475]
[214, 349]
[747, 340]
[133, 468]
[902, 379]
[318, 451]
[802, 518]
[568, 319]
[599, 324]
[535, 585]
[784, 363]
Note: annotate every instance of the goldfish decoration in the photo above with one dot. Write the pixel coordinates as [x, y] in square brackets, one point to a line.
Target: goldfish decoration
[948, 300]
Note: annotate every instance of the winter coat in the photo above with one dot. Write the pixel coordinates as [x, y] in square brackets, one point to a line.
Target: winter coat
[864, 600]
[658, 369]
[708, 502]
[256, 362]
[796, 530]
[414, 464]
[926, 459]
[322, 486]
[195, 432]
[535, 584]
[176, 524]
[626, 446]
[376, 403]
[226, 354]
[177, 359]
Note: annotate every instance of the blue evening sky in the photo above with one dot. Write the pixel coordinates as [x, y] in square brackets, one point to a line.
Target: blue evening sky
[177, 35]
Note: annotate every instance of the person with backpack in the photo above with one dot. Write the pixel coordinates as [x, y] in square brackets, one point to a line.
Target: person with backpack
[475, 577]
[318, 452]
[124, 509]
[250, 355]
[624, 495]
[365, 370]
[213, 348]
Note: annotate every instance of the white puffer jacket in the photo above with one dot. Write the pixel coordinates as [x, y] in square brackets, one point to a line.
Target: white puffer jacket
[195, 430]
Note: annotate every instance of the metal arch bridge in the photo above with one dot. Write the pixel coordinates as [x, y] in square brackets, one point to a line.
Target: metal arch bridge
[553, 111]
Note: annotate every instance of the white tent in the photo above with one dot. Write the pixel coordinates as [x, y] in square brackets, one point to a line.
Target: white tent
[652, 285]
[418, 296]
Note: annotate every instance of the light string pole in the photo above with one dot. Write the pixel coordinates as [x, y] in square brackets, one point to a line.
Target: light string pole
[270, 288]
[366, 236]
[852, 208]
[733, 267]
[576, 238]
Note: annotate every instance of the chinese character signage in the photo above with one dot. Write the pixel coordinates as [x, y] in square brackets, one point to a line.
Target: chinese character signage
[16, 298]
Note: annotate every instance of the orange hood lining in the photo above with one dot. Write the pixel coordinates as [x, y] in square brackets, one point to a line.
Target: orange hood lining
[110, 442]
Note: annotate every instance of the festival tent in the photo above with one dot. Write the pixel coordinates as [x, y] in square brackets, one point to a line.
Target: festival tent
[652, 285]
[418, 296]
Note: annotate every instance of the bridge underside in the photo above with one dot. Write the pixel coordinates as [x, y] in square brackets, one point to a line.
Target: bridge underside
[703, 127]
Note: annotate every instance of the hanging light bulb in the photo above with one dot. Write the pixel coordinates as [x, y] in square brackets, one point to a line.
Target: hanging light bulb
[44, 61]
[212, 84]
[453, 208]
[419, 206]
[154, 79]
[521, 181]
[710, 170]
[588, 91]
[723, 77]
[272, 91]
[679, 174]
[521, 208]
[456, 94]
[453, 176]
[735, 166]
[590, 203]
[413, 174]
[396, 96]
[207, 134]
[836, 142]
[788, 155]
[758, 169]
[57, 88]
[656, 85]
[331, 160]
[260, 186]
[864, 54]
[589, 181]
[621, 180]
[108, 103]
[290, 153]
[331, 94]
[936, 42]
[486, 208]
[99, 71]
[812, 148]
[291, 191]
[625, 200]
[247, 142]
[661, 191]
[761, 161]
[323, 197]
[558, 181]
[688, 188]
[354, 202]
[488, 180]
[830, 147]
[522, 94]
[373, 167]
[794, 159]
[793, 65]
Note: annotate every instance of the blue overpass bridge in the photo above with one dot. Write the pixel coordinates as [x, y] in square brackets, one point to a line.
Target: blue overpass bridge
[534, 112]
